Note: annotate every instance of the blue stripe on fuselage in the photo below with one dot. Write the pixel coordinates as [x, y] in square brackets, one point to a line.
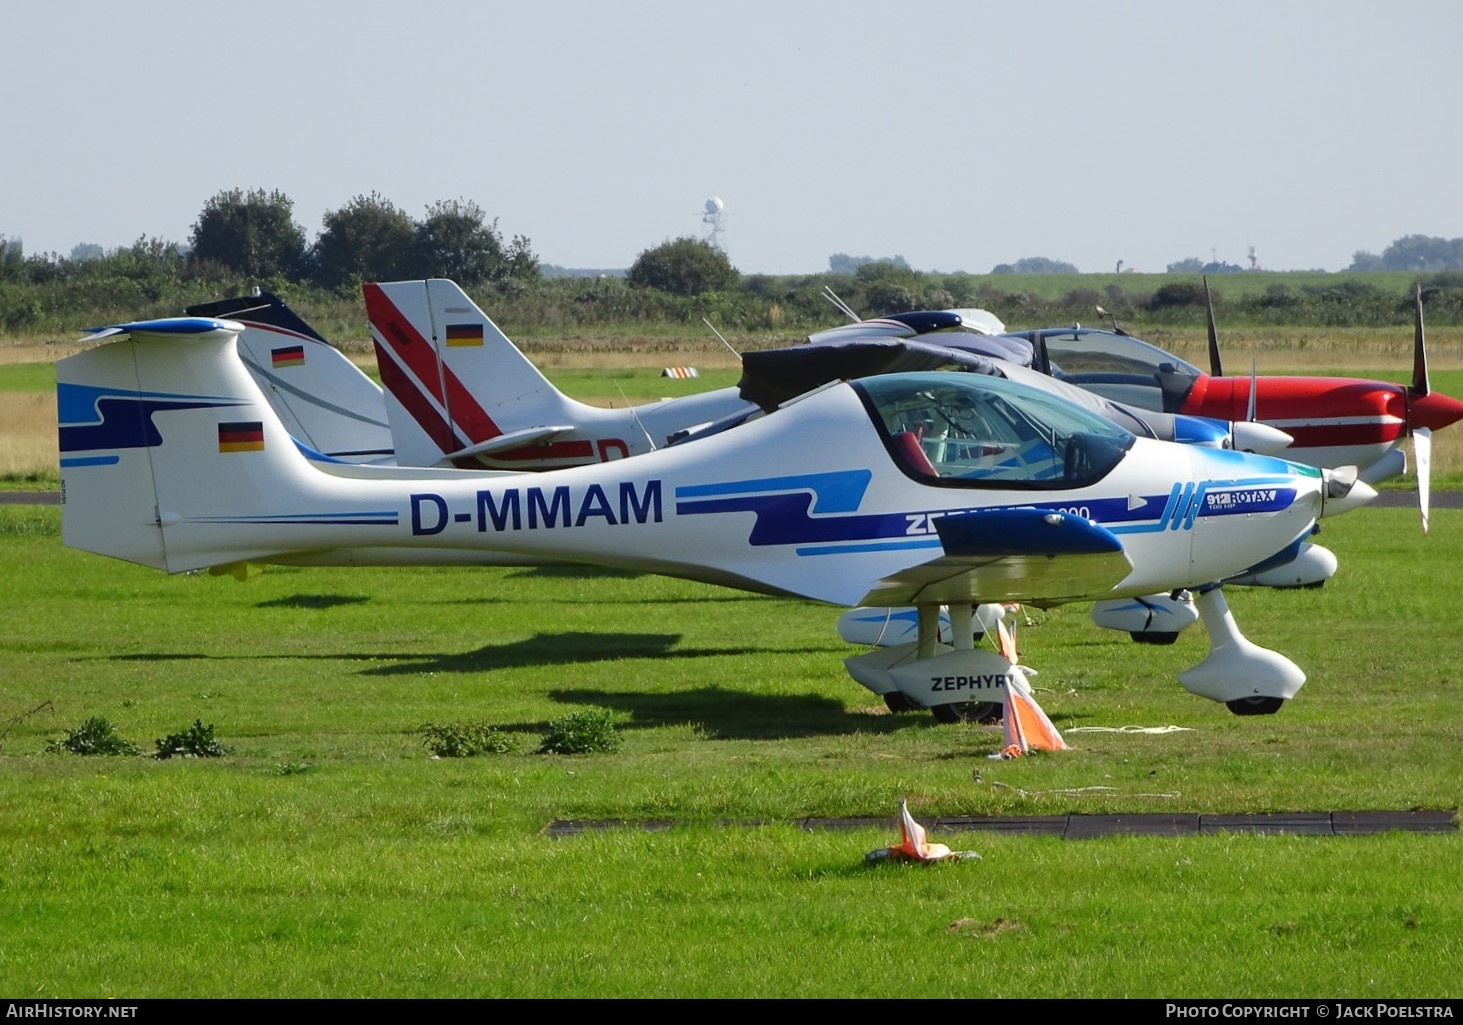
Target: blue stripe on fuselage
[791, 518]
[837, 491]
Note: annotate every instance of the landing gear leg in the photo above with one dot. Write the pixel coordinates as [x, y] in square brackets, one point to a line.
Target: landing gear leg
[1248, 679]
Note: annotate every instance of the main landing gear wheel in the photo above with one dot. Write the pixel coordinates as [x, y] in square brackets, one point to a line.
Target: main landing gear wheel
[967, 711]
[1255, 705]
[896, 702]
[1154, 637]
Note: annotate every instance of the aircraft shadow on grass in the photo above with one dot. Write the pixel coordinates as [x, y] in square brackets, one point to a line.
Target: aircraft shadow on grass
[720, 713]
[558, 649]
[723, 714]
[313, 601]
[569, 571]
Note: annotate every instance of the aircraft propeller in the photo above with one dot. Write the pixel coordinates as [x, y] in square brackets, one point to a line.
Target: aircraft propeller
[1417, 395]
[1422, 437]
[1215, 368]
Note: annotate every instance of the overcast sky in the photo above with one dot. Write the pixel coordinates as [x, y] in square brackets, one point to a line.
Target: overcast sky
[958, 134]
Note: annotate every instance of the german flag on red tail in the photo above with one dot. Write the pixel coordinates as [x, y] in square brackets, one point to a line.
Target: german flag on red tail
[464, 334]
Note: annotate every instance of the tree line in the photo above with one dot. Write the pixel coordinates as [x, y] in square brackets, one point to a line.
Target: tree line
[245, 239]
[254, 234]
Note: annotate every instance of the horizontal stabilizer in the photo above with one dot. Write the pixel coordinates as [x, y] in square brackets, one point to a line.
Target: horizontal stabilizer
[506, 442]
[175, 326]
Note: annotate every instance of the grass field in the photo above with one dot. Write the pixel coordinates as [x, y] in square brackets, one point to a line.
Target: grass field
[328, 854]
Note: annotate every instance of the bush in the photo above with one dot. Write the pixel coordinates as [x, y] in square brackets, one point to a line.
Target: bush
[96, 736]
[590, 730]
[194, 742]
[1179, 293]
[464, 739]
[685, 266]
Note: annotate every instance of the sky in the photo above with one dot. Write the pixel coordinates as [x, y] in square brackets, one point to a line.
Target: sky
[958, 134]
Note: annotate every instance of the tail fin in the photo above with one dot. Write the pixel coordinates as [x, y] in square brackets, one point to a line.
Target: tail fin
[441, 360]
[321, 396]
[162, 428]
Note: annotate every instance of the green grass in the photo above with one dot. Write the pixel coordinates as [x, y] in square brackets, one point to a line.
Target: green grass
[27, 377]
[328, 854]
[604, 387]
[31, 480]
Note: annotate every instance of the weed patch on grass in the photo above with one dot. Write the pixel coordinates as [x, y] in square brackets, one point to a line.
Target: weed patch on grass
[96, 736]
[197, 741]
[587, 731]
[464, 739]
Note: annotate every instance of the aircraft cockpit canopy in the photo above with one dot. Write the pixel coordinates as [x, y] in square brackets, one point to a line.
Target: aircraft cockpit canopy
[972, 430]
[1120, 367]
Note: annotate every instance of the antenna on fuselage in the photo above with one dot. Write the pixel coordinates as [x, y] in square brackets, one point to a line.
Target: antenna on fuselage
[635, 417]
[1114, 320]
[842, 306]
[717, 333]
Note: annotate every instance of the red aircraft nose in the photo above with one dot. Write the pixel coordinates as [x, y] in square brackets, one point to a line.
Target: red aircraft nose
[1434, 411]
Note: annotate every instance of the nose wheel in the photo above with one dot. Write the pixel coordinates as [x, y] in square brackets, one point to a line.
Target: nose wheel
[968, 711]
[1255, 705]
[1249, 679]
[897, 702]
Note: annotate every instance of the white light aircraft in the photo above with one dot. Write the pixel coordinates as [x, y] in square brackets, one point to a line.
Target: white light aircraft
[172, 457]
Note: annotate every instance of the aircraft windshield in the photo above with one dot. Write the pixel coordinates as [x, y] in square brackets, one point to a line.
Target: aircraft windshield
[979, 431]
[1121, 368]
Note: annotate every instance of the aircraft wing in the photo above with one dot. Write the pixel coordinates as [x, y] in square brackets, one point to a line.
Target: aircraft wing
[772, 376]
[507, 442]
[1035, 556]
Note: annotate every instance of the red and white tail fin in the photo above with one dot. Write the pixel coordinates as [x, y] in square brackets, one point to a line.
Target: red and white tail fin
[458, 392]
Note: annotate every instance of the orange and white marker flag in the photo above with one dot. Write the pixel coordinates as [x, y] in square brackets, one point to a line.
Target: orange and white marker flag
[914, 846]
[1025, 725]
[1006, 642]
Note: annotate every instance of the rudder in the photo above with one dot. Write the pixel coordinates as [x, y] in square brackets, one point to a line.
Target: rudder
[443, 362]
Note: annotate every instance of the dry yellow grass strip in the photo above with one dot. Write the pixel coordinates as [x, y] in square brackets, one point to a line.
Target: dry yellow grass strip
[28, 433]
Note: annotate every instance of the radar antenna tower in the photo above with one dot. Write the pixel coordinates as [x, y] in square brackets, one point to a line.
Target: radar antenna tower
[712, 222]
